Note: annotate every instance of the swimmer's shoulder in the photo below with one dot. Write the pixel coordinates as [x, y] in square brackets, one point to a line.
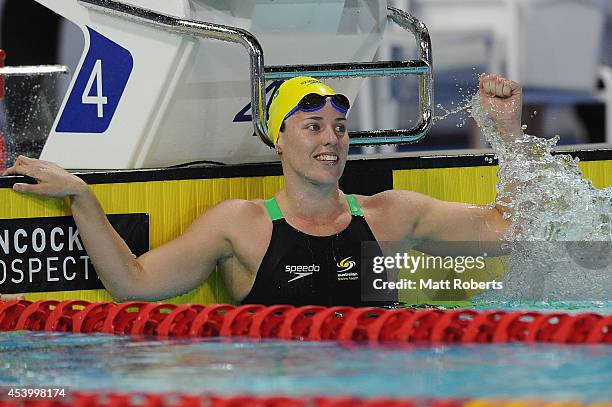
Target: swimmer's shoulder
[235, 220]
[392, 214]
[392, 199]
[240, 211]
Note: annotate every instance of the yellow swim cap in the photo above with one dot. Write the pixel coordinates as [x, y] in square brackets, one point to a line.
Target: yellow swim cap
[287, 98]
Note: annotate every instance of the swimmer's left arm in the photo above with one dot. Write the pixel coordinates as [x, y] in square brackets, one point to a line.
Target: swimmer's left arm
[432, 220]
[501, 100]
[457, 221]
[425, 221]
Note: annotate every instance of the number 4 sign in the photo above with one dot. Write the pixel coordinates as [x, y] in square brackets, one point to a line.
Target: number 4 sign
[99, 99]
[99, 85]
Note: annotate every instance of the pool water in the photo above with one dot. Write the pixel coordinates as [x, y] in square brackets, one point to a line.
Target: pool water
[237, 366]
[570, 307]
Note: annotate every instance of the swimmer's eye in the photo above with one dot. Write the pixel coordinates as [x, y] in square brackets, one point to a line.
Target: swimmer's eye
[314, 127]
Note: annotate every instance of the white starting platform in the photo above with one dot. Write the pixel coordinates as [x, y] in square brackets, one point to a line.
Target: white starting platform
[164, 83]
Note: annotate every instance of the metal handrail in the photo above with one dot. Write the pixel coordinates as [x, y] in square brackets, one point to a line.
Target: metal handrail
[27, 70]
[259, 73]
[422, 67]
[426, 87]
[350, 70]
[204, 30]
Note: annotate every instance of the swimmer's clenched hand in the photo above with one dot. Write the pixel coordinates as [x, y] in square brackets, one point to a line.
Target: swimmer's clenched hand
[501, 98]
[52, 180]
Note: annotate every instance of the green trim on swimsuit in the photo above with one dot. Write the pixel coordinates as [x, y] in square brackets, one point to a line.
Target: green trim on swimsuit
[275, 212]
[273, 209]
[354, 205]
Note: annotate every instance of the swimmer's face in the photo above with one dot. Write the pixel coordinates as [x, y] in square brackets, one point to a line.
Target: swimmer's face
[315, 144]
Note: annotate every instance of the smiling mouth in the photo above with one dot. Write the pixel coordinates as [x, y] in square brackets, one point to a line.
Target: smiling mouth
[327, 158]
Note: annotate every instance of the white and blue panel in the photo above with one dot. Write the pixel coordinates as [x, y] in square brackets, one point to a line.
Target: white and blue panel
[98, 88]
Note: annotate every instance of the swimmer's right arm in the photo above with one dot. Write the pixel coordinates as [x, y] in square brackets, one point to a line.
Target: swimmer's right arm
[169, 270]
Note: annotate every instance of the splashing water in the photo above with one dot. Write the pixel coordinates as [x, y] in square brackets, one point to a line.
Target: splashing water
[449, 112]
[464, 104]
[561, 231]
[28, 109]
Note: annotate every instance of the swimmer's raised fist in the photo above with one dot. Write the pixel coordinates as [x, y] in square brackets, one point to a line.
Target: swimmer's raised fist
[52, 180]
[502, 99]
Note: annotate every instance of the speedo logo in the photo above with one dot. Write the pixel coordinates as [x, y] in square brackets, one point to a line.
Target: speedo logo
[345, 264]
[301, 271]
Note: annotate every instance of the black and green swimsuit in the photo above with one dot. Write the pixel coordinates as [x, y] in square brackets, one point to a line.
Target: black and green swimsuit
[301, 269]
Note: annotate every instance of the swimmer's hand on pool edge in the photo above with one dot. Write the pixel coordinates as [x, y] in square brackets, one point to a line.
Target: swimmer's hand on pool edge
[501, 98]
[166, 271]
[52, 180]
[113, 259]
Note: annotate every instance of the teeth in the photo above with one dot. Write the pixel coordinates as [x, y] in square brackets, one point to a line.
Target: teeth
[326, 157]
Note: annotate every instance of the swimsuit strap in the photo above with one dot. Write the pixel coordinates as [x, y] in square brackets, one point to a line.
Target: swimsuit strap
[354, 205]
[273, 209]
[275, 212]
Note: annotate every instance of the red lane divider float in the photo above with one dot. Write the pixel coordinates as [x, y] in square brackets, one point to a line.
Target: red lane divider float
[305, 323]
[179, 400]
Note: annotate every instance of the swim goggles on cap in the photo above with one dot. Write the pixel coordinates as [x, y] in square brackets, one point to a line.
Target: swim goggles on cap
[313, 102]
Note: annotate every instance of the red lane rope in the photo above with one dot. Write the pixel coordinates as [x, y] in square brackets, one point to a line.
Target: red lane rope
[305, 323]
[83, 399]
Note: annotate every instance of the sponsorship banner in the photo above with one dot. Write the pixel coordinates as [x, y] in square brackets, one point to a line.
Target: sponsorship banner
[487, 271]
[47, 254]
